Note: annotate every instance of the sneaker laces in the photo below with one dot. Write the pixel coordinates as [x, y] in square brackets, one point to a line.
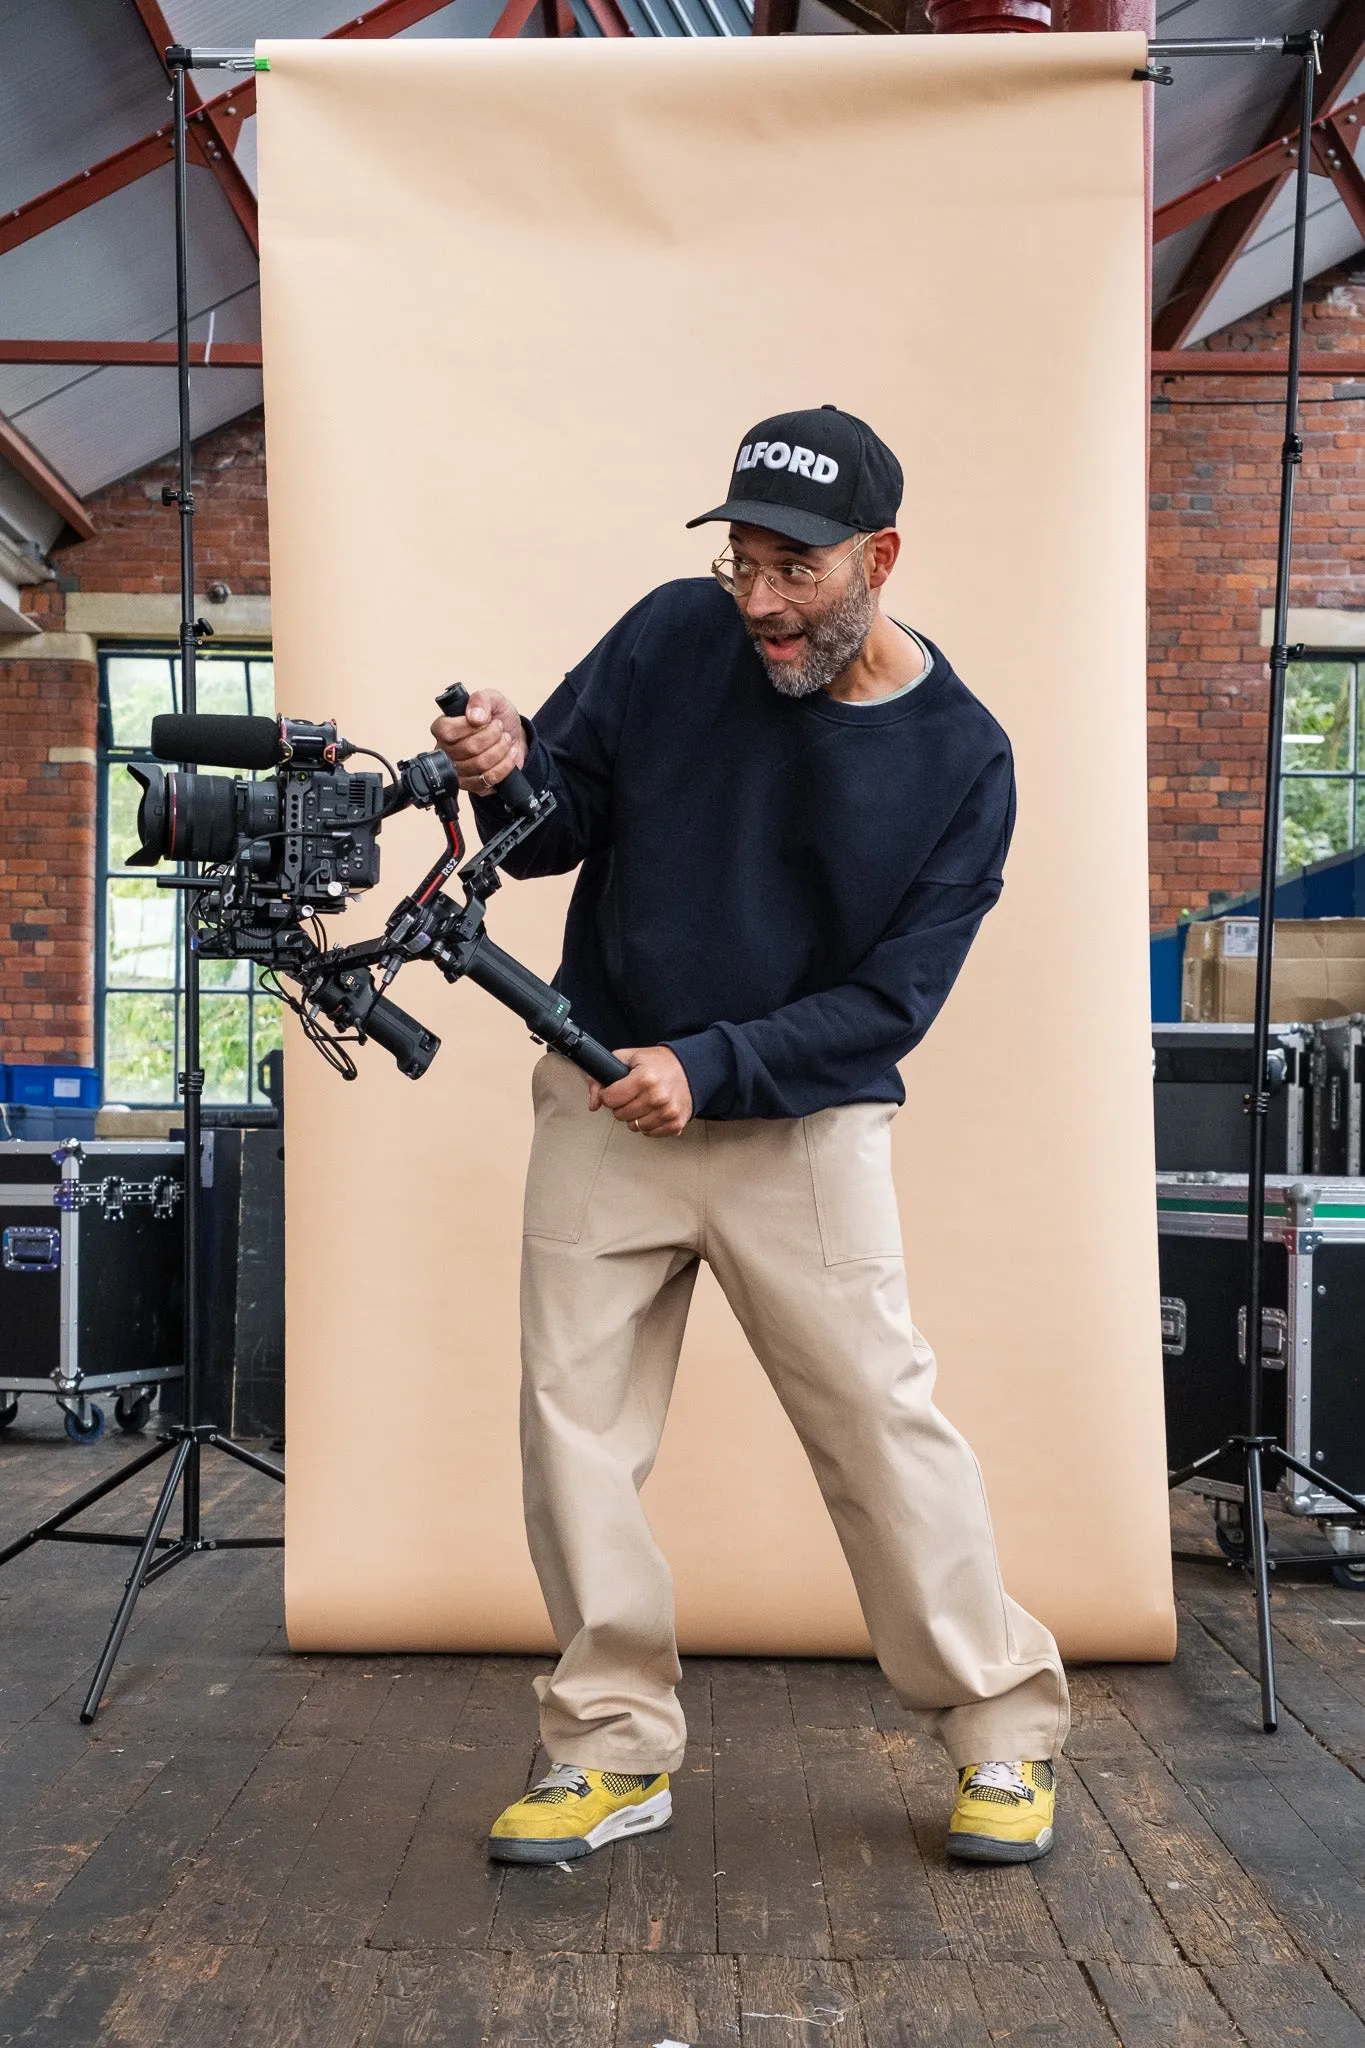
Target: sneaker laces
[560, 1783]
[999, 1777]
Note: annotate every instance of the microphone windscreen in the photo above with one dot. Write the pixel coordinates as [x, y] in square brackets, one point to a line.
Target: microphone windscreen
[216, 742]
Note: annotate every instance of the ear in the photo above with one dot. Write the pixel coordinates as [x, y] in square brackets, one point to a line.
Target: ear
[880, 556]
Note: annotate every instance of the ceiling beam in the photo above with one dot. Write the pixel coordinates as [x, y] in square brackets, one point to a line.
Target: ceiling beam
[215, 140]
[1334, 155]
[1277, 159]
[1342, 366]
[1236, 223]
[87, 188]
[1272, 163]
[389, 18]
[775, 17]
[220, 119]
[21, 455]
[609, 18]
[513, 19]
[218, 355]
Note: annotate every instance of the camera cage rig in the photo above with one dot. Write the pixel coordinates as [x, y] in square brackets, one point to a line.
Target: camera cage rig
[338, 986]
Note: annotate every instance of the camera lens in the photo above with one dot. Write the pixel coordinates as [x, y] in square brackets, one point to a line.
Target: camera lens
[184, 817]
[260, 808]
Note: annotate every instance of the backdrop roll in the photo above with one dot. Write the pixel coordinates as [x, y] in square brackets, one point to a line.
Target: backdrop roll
[520, 302]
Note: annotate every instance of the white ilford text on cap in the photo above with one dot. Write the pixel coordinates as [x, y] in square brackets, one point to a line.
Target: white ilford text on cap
[821, 469]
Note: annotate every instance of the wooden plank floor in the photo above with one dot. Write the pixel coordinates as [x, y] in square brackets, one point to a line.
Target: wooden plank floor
[287, 1852]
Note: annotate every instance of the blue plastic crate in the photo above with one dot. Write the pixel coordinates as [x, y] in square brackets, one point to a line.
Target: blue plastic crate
[37, 1123]
[4, 1084]
[55, 1087]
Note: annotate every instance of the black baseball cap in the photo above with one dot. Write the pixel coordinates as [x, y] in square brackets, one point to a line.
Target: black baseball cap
[818, 477]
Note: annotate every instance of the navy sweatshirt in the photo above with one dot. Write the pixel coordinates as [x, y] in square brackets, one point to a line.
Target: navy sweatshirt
[783, 891]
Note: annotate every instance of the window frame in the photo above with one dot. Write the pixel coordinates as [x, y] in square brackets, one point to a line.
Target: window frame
[110, 757]
[1354, 776]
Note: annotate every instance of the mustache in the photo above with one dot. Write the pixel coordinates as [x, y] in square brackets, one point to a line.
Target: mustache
[776, 629]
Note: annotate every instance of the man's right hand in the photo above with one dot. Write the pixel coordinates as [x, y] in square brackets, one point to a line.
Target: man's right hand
[486, 744]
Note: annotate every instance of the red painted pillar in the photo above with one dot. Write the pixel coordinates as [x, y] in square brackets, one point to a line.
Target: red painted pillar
[1083, 16]
[986, 17]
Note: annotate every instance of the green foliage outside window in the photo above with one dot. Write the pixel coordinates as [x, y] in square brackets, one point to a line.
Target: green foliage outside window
[141, 969]
[1322, 812]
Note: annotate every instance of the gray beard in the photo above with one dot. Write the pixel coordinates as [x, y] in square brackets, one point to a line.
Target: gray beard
[832, 642]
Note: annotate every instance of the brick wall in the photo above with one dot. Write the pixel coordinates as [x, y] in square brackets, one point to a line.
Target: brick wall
[47, 807]
[1214, 511]
[47, 862]
[137, 542]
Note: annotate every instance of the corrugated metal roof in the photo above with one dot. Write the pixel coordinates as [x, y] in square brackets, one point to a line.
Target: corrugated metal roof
[1263, 271]
[79, 79]
[1217, 111]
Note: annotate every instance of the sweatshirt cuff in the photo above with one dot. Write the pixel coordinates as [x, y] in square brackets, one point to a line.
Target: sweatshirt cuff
[707, 1060]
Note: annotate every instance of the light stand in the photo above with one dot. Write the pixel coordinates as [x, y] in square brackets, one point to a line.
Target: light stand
[1253, 1446]
[183, 1442]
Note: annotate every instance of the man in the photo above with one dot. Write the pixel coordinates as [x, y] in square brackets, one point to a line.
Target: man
[791, 818]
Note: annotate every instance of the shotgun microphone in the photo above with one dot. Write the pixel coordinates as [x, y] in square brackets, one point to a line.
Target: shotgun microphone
[213, 741]
[216, 742]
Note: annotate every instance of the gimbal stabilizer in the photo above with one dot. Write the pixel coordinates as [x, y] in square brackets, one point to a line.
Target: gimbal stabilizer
[428, 925]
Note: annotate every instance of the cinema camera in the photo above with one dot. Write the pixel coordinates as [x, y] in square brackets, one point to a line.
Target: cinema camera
[280, 852]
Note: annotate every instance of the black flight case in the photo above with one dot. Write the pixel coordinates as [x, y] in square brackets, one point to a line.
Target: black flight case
[1313, 1338]
[91, 1269]
[1201, 1074]
[1337, 1070]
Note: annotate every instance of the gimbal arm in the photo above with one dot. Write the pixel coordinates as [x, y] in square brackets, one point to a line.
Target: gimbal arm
[429, 925]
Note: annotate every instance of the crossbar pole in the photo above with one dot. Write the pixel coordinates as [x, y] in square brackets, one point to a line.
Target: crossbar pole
[1302, 45]
[179, 57]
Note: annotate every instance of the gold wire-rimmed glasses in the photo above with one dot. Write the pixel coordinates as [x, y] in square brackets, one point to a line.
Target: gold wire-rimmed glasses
[789, 580]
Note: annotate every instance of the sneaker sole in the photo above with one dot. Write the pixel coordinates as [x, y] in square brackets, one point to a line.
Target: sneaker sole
[986, 1849]
[630, 1820]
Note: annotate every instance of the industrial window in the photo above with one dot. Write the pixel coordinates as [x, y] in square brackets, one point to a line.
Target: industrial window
[140, 965]
[1323, 807]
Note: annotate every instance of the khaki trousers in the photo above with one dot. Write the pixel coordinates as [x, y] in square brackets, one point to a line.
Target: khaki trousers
[798, 1221]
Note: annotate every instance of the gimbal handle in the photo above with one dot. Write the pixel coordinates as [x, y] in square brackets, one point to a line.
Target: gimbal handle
[514, 790]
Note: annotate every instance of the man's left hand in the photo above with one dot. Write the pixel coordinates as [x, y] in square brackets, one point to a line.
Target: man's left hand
[654, 1098]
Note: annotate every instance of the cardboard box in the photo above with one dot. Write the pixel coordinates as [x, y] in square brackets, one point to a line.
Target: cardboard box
[1319, 970]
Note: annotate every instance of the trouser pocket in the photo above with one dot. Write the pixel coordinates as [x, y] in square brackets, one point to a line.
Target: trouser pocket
[849, 1149]
[567, 1151]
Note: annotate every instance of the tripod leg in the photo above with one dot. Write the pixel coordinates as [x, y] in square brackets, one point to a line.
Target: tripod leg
[134, 1586]
[1253, 1515]
[234, 1450]
[85, 1500]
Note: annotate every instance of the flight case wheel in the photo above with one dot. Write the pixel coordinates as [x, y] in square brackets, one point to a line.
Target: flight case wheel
[85, 1431]
[1230, 1535]
[9, 1411]
[1351, 1575]
[131, 1416]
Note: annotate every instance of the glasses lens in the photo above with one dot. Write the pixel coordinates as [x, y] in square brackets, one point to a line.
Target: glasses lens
[731, 575]
[791, 581]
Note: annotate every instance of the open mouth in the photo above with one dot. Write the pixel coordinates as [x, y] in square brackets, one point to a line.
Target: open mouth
[781, 646]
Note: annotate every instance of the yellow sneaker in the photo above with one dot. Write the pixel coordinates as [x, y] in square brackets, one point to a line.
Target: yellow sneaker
[1003, 1813]
[571, 1812]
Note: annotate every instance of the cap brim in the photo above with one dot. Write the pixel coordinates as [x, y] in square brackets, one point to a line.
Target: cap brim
[792, 524]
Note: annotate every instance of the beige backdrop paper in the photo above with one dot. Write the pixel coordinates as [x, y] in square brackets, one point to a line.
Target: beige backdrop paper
[520, 302]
